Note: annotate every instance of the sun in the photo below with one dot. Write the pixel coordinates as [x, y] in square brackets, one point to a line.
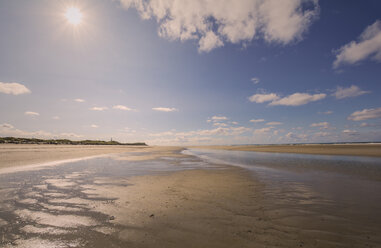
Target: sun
[73, 15]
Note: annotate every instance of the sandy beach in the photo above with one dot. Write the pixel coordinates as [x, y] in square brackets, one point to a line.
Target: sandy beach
[20, 154]
[372, 150]
[100, 203]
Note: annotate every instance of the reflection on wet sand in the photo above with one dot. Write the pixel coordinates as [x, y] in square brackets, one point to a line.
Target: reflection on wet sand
[179, 201]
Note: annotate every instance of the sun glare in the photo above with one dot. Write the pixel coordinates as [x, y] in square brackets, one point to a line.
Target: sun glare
[73, 15]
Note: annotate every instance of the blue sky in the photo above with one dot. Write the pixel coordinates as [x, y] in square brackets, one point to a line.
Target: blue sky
[192, 72]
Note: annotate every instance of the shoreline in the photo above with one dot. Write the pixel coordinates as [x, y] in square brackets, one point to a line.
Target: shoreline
[368, 150]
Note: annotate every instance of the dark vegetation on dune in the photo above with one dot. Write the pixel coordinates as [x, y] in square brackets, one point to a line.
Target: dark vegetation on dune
[13, 140]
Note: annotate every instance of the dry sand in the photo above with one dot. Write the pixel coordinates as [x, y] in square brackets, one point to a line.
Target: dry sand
[372, 150]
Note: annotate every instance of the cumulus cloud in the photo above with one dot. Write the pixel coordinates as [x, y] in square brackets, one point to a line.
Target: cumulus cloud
[257, 120]
[367, 46]
[298, 99]
[31, 113]
[273, 123]
[215, 22]
[13, 88]
[352, 91]
[321, 125]
[261, 98]
[365, 114]
[122, 107]
[164, 109]
[255, 80]
[98, 108]
[79, 100]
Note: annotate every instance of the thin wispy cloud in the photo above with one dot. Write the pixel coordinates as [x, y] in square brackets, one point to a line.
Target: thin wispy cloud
[321, 125]
[298, 99]
[94, 126]
[31, 113]
[13, 88]
[352, 91]
[122, 107]
[56, 118]
[7, 129]
[79, 100]
[274, 123]
[219, 118]
[220, 124]
[261, 98]
[255, 80]
[165, 109]
[213, 22]
[263, 130]
[98, 108]
[365, 114]
[328, 112]
[368, 46]
[350, 132]
[295, 136]
[257, 120]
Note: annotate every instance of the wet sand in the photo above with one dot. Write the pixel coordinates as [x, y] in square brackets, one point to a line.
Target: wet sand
[22, 154]
[372, 150]
[104, 202]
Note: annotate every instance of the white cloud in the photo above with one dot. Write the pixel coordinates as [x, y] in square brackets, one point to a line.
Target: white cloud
[98, 108]
[365, 114]
[79, 100]
[322, 134]
[273, 123]
[261, 98]
[295, 136]
[56, 118]
[31, 113]
[70, 135]
[329, 112]
[367, 46]
[13, 88]
[298, 99]
[163, 109]
[9, 130]
[364, 124]
[122, 107]
[263, 130]
[257, 120]
[215, 22]
[94, 126]
[349, 132]
[209, 42]
[219, 118]
[255, 80]
[352, 91]
[322, 125]
[219, 124]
